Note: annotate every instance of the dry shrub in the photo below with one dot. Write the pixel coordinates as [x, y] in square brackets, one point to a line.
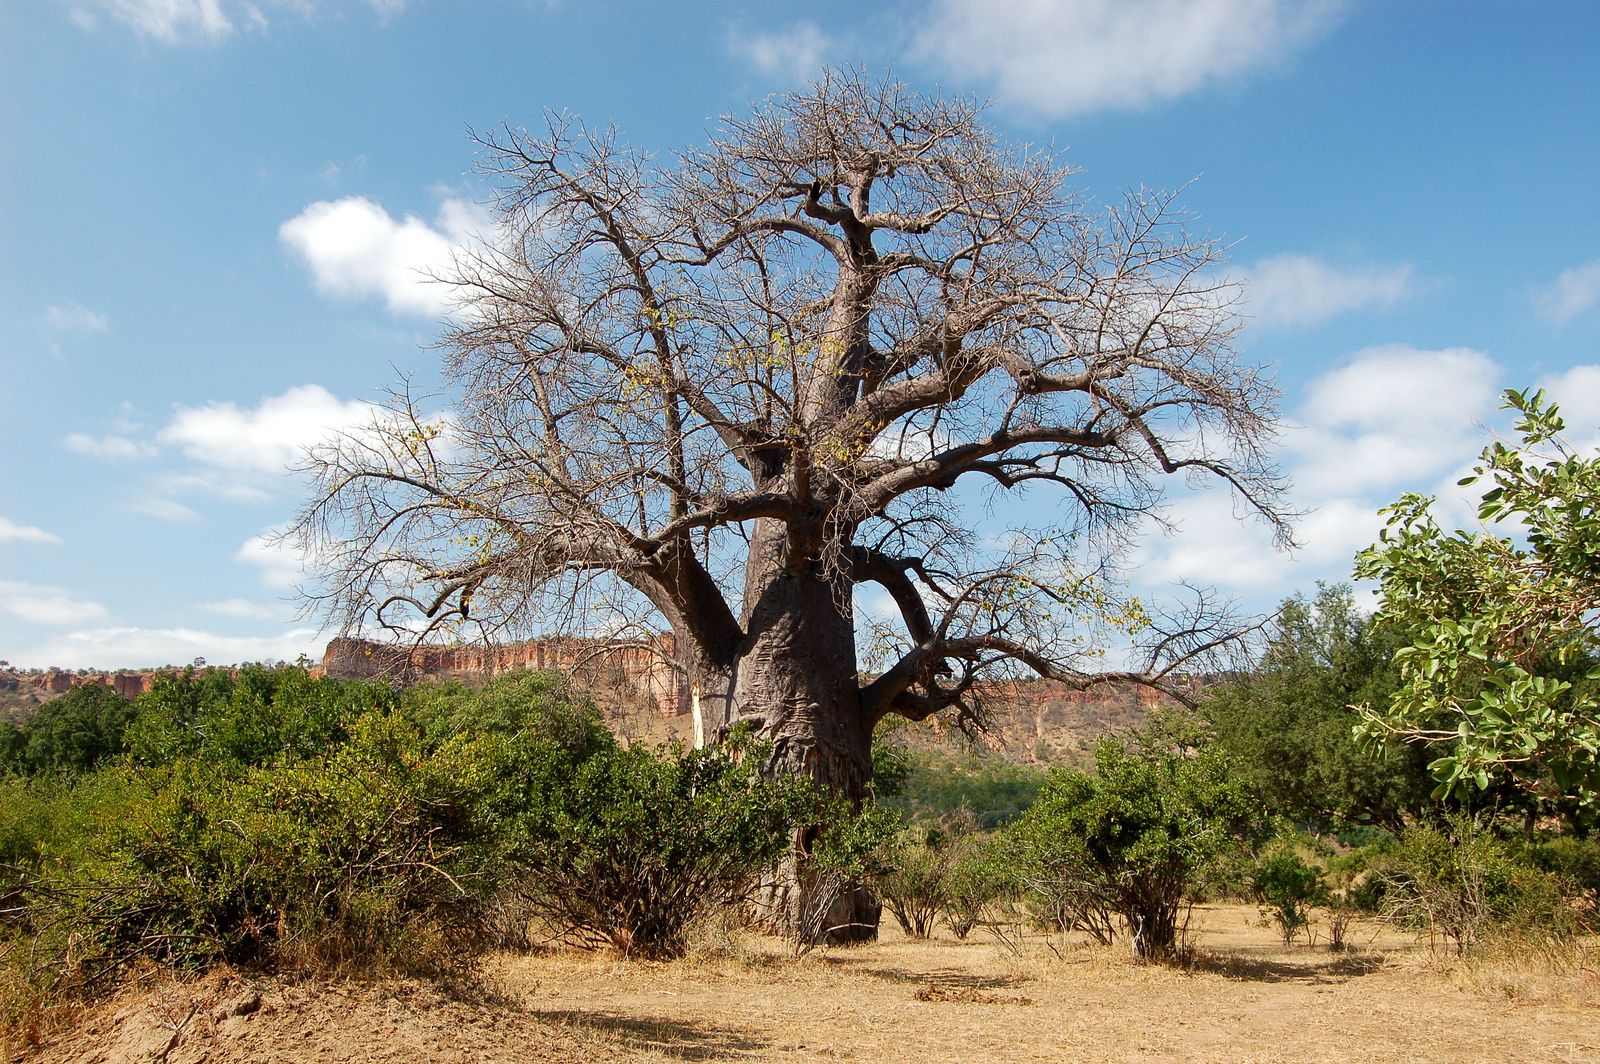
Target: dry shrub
[1532, 969]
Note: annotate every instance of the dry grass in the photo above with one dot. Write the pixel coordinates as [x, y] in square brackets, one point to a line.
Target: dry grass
[746, 998]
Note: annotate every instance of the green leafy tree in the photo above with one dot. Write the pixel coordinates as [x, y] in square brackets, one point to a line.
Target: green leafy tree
[1287, 725]
[1501, 635]
[1134, 840]
[75, 732]
[1287, 887]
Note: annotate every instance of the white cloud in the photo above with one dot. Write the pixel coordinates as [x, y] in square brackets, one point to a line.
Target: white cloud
[794, 53]
[71, 317]
[1212, 543]
[1574, 292]
[144, 648]
[270, 438]
[242, 608]
[1393, 415]
[163, 21]
[281, 563]
[1290, 290]
[1577, 392]
[11, 532]
[355, 250]
[111, 446]
[44, 604]
[1063, 57]
[180, 22]
[212, 485]
[164, 510]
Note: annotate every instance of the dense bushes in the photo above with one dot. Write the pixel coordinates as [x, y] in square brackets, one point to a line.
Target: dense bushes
[274, 817]
[83, 728]
[637, 843]
[1130, 844]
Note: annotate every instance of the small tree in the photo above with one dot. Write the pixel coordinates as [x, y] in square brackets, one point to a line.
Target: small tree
[1132, 841]
[1287, 887]
[1501, 632]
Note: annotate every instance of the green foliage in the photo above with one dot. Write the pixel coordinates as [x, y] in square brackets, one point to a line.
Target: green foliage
[1499, 667]
[1131, 842]
[71, 734]
[1456, 882]
[1575, 861]
[1287, 727]
[979, 876]
[936, 785]
[915, 881]
[257, 715]
[638, 842]
[272, 817]
[1287, 887]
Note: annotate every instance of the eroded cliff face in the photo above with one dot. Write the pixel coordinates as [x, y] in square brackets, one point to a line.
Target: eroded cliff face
[643, 667]
[23, 692]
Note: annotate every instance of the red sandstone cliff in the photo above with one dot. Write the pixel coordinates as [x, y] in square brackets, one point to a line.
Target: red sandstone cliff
[644, 667]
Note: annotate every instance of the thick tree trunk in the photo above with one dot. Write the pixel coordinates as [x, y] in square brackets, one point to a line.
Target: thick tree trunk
[796, 682]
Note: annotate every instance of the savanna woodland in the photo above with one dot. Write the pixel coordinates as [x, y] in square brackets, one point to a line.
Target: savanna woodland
[693, 406]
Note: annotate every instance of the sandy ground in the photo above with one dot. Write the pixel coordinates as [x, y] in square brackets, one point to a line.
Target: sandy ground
[1245, 999]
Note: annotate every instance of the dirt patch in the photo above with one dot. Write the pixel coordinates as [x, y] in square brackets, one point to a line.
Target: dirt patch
[1245, 999]
[966, 995]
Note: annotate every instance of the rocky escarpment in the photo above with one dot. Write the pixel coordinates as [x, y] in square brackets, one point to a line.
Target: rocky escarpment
[22, 692]
[644, 667]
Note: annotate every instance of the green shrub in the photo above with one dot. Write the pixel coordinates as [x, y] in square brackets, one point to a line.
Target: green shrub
[979, 876]
[1129, 844]
[913, 883]
[256, 715]
[1455, 881]
[335, 830]
[1287, 887]
[74, 733]
[639, 842]
[1576, 861]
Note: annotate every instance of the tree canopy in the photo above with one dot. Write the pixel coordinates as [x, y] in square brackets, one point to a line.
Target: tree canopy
[1501, 632]
[1287, 724]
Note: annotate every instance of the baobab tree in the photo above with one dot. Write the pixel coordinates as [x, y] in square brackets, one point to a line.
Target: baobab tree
[725, 392]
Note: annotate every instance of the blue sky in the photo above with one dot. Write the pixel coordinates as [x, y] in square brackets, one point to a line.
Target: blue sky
[213, 213]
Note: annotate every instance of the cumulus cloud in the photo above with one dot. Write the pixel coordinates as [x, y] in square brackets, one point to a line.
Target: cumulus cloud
[45, 604]
[74, 318]
[192, 22]
[1211, 543]
[1391, 416]
[1577, 392]
[1574, 293]
[145, 648]
[1297, 290]
[1387, 420]
[281, 565]
[356, 250]
[793, 53]
[11, 532]
[269, 438]
[1074, 56]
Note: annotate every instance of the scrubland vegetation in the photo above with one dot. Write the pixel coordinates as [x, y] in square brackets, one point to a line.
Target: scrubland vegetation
[268, 820]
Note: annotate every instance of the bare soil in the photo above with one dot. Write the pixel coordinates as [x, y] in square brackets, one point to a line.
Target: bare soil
[1244, 998]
